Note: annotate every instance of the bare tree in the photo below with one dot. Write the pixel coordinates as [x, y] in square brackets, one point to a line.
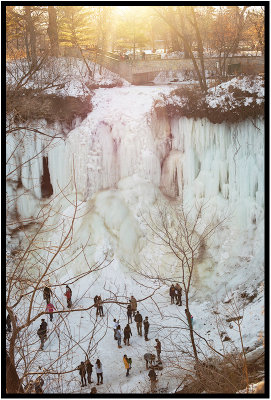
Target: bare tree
[183, 234]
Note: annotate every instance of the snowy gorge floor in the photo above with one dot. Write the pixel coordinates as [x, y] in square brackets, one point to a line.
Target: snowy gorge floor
[113, 219]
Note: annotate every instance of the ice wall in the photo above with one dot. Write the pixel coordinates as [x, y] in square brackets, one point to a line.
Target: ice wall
[124, 136]
[218, 161]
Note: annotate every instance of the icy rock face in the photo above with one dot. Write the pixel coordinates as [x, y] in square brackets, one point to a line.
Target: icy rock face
[217, 160]
[116, 141]
[25, 150]
[124, 136]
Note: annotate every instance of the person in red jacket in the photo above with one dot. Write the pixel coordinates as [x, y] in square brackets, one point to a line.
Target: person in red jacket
[68, 294]
[50, 308]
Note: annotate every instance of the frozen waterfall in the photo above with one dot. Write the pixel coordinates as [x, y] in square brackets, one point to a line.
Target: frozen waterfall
[124, 136]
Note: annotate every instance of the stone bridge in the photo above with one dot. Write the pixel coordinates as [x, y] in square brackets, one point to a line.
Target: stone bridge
[140, 72]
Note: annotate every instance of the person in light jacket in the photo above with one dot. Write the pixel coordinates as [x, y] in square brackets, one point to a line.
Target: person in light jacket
[118, 336]
[99, 372]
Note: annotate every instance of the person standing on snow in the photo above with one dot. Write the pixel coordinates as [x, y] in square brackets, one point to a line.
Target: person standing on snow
[129, 314]
[118, 336]
[152, 375]
[133, 305]
[47, 292]
[115, 327]
[96, 298]
[89, 367]
[50, 308]
[158, 349]
[178, 290]
[82, 373]
[68, 294]
[126, 364]
[146, 328]
[39, 382]
[149, 358]
[172, 293]
[138, 320]
[99, 372]
[100, 309]
[42, 332]
[127, 334]
[42, 336]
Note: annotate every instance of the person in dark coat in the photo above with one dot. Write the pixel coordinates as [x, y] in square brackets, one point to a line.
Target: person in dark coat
[152, 375]
[178, 294]
[8, 323]
[100, 309]
[89, 368]
[172, 293]
[68, 294]
[47, 294]
[82, 373]
[146, 328]
[39, 382]
[96, 304]
[42, 335]
[127, 334]
[43, 332]
[129, 314]
[138, 320]
[44, 325]
[158, 349]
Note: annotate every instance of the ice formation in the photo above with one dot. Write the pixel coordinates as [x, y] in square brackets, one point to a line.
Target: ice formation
[123, 136]
[123, 157]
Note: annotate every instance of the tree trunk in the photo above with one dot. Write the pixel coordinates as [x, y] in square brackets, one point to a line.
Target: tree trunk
[53, 31]
[191, 328]
[13, 384]
[32, 34]
[200, 47]
[27, 47]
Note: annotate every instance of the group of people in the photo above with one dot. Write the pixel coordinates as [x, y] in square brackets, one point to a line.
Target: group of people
[149, 358]
[175, 293]
[86, 368]
[127, 332]
[47, 293]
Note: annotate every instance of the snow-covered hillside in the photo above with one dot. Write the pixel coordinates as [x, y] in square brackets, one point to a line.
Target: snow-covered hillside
[118, 165]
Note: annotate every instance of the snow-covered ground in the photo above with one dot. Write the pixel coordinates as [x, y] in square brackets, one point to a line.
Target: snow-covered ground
[126, 159]
[69, 76]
